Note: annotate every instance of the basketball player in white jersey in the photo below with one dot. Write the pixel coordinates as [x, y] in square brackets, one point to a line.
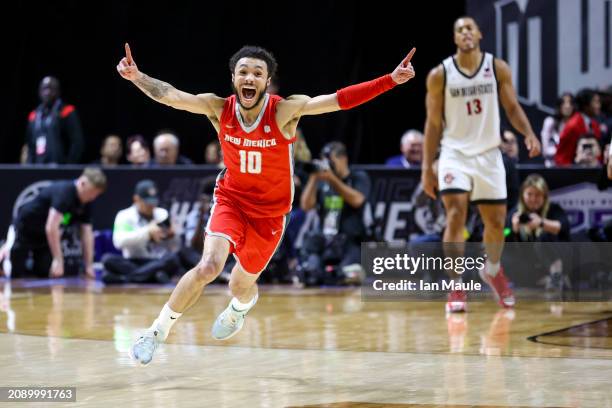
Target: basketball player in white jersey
[463, 117]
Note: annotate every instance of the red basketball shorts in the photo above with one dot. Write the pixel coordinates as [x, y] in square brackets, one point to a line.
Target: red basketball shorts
[253, 241]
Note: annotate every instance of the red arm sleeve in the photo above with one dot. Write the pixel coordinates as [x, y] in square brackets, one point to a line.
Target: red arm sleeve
[355, 95]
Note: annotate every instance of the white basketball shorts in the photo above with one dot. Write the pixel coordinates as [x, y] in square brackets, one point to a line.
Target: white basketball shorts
[483, 175]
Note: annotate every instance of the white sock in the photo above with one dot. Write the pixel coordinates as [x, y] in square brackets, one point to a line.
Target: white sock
[242, 307]
[166, 319]
[492, 268]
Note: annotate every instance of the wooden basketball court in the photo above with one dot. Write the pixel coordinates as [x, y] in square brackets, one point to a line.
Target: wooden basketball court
[305, 348]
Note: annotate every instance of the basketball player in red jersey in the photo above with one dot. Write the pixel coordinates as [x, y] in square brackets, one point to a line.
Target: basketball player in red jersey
[253, 195]
[463, 118]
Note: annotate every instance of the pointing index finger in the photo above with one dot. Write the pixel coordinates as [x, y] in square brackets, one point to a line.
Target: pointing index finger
[128, 54]
[406, 60]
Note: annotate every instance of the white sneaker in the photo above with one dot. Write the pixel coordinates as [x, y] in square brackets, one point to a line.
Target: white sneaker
[230, 321]
[142, 351]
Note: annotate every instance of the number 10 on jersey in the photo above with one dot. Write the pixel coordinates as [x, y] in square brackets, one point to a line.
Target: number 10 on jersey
[250, 162]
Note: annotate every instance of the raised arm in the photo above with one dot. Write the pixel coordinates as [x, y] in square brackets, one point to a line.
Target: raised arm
[434, 102]
[207, 104]
[300, 105]
[514, 112]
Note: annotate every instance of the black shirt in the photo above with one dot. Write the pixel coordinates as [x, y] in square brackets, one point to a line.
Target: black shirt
[60, 195]
[338, 217]
[555, 213]
[54, 134]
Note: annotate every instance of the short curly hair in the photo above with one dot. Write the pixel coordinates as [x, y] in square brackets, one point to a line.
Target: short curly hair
[253, 51]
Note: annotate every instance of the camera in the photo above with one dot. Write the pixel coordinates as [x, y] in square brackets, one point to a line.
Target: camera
[315, 166]
[524, 218]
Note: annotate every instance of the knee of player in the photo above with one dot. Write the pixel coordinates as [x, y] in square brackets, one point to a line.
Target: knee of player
[497, 222]
[207, 270]
[456, 215]
[238, 286]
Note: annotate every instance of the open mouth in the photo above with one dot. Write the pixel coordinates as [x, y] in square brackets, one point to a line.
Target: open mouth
[248, 93]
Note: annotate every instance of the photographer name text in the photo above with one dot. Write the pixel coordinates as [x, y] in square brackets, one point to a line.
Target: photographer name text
[405, 264]
[421, 285]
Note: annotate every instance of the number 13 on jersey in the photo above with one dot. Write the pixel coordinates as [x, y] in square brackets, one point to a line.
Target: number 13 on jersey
[473, 107]
[250, 162]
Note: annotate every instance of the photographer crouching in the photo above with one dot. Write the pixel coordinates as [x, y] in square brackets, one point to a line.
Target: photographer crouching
[145, 235]
[331, 254]
[538, 220]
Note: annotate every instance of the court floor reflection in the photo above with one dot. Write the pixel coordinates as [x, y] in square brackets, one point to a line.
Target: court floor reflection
[306, 347]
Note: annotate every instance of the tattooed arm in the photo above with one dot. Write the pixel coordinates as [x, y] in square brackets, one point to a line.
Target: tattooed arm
[165, 93]
[207, 104]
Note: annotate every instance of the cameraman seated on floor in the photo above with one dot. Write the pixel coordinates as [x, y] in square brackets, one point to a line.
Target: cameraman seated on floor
[144, 234]
[339, 196]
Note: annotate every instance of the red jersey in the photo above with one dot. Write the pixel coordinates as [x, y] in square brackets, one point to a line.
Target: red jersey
[258, 160]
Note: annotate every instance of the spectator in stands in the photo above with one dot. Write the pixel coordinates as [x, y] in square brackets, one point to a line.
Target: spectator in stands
[581, 122]
[339, 195]
[39, 222]
[145, 235]
[536, 218]
[509, 145]
[138, 151]
[213, 154]
[553, 126]
[110, 152]
[588, 152]
[166, 147]
[54, 133]
[411, 146]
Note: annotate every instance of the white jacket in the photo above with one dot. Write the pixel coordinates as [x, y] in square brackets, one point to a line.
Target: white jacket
[131, 234]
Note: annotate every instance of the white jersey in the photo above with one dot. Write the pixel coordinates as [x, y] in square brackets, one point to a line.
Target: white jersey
[471, 108]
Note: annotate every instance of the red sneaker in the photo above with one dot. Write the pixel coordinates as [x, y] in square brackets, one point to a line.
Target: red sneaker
[500, 286]
[457, 302]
